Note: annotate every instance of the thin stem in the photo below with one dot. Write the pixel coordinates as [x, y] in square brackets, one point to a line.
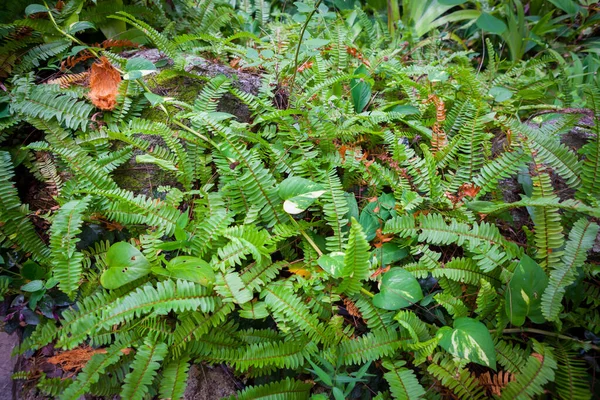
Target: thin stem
[299, 44]
[365, 291]
[547, 333]
[308, 238]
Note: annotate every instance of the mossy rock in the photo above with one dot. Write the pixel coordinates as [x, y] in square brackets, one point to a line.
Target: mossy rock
[183, 85]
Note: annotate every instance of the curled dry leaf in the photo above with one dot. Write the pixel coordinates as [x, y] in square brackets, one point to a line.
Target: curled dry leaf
[104, 84]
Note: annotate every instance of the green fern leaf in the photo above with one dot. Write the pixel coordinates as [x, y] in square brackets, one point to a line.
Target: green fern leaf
[143, 369]
[287, 389]
[538, 370]
[165, 297]
[90, 374]
[581, 239]
[174, 378]
[403, 382]
[356, 260]
[63, 241]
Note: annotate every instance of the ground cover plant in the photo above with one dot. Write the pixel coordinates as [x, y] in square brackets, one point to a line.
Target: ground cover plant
[336, 200]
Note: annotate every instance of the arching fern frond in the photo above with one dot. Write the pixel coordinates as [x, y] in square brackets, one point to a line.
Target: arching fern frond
[67, 261]
[581, 239]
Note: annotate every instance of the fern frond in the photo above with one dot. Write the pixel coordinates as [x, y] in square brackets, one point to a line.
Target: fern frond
[159, 40]
[457, 379]
[356, 260]
[67, 261]
[165, 297]
[174, 378]
[581, 239]
[335, 207]
[282, 300]
[590, 170]
[287, 389]
[90, 374]
[538, 370]
[571, 376]
[16, 226]
[404, 385]
[370, 347]
[143, 369]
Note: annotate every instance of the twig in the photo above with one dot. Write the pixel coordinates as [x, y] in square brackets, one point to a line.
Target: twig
[547, 333]
[298, 48]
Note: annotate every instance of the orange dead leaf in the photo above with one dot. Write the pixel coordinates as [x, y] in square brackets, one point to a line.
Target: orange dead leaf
[468, 189]
[300, 271]
[351, 308]
[104, 84]
[380, 271]
[74, 360]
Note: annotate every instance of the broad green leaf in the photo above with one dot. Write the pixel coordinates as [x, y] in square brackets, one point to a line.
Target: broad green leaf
[569, 6]
[405, 109]
[471, 340]
[149, 159]
[500, 93]
[451, 2]
[360, 90]
[524, 292]
[125, 264]
[33, 286]
[303, 7]
[32, 271]
[491, 24]
[333, 263]
[138, 67]
[389, 253]
[299, 194]
[316, 43]
[154, 99]
[188, 268]
[80, 26]
[35, 8]
[399, 289]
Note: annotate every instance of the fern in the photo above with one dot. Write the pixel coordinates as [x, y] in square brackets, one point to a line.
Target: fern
[287, 389]
[174, 378]
[66, 260]
[581, 239]
[90, 374]
[165, 297]
[16, 226]
[356, 260]
[571, 374]
[538, 370]
[144, 366]
[402, 381]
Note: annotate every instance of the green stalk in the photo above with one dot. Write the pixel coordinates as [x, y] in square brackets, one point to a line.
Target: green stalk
[299, 44]
[393, 16]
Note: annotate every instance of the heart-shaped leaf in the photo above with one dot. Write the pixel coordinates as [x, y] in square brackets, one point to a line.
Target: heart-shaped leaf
[471, 340]
[399, 289]
[332, 263]
[125, 264]
[299, 194]
[188, 268]
[524, 292]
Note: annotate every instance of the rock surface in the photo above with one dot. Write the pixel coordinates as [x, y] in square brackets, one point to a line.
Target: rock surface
[209, 383]
[7, 366]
